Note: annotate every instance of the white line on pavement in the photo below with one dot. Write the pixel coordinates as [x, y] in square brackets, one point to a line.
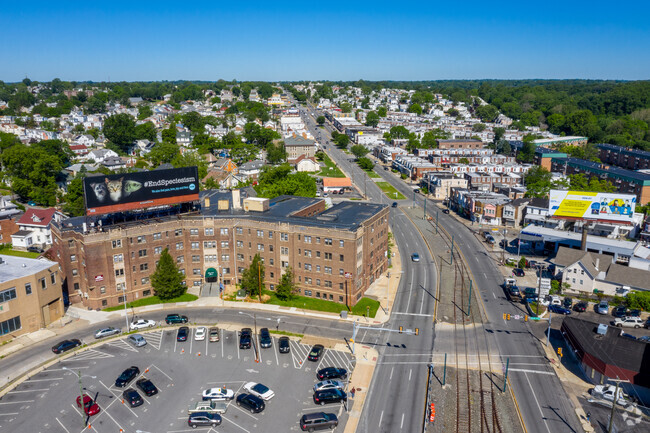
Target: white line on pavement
[522, 370]
[391, 373]
[16, 402]
[412, 314]
[226, 419]
[532, 392]
[401, 426]
[29, 390]
[45, 380]
[61, 424]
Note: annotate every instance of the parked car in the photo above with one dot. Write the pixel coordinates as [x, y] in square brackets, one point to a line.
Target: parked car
[146, 386]
[558, 309]
[329, 384]
[90, 407]
[490, 240]
[330, 396]
[332, 373]
[580, 307]
[318, 421]
[214, 335]
[530, 294]
[253, 403]
[175, 318]
[511, 261]
[602, 308]
[105, 332]
[634, 313]
[620, 311]
[415, 257]
[445, 211]
[142, 324]
[265, 338]
[647, 324]
[567, 303]
[218, 394]
[259, 390]
[137, 340]
[66, 345]
[34, 249]
[200, 419]
[628, 322]
[132, 397]
[245, 338]
[551, 300]
[199, 333]
[182, 333]
[518, 272]
[394, 204]
[283, 345]
[127, 376]
[316, 352]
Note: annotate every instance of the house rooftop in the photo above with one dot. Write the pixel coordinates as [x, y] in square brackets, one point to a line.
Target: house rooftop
[13, 267]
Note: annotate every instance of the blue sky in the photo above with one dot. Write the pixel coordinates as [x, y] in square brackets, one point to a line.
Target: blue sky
[399, 40]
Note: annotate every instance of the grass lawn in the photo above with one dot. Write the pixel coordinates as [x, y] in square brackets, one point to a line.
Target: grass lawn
[12, 252]
[390, 191]
[371, 174]
[331, 169]
[152, 300]
[316, 304]
[288, 334]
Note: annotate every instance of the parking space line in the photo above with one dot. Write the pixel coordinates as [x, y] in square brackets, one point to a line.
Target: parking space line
[237, 343]
[62, 426]
[259, 346]
[175, 342]
[207, 340]
[9, 414]
[156, 367]
[275, 350]
[111, 417]
[155, 337]
[122, 344]
[245, 412]
[230, 421]
[88, 355]
[322, 358]
[45, 380]
[191, 337]
[17, 402]
[60, 369]
[221, 338]
[29, 390]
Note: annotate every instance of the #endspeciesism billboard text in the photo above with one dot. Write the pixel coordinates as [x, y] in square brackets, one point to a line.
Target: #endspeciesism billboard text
[592, 205]
[140, 190]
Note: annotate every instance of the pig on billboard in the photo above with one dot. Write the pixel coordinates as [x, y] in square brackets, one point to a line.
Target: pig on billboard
[140, 190]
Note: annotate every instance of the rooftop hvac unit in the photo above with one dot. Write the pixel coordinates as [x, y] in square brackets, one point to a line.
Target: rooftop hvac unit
[602, 329]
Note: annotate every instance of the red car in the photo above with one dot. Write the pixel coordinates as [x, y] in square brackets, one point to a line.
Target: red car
[90, 407]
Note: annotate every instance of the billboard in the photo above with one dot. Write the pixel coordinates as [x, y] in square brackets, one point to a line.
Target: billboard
[592, 205]
[128, 191]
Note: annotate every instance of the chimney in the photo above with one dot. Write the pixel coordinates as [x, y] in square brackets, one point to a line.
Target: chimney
[236, 199]
[597, 264]
[207, 202]
[583, 245]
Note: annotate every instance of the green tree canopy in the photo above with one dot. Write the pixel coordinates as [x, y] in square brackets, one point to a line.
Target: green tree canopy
[320, 120]
[253, 278]
[372, 119]
[276, 181]
[287, 288]
[120, 130]
[167, 280]
[359, 150]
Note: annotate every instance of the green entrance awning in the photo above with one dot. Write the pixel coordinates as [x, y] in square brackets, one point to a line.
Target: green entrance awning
[211, 273]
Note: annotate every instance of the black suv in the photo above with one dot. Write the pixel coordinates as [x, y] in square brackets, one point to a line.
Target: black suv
[251, 402]
[265, 338]
[127, 376]
[182, 333]
[332, 373]
[318, 421]
[175, 318]
[283, 345]
[203, 419]
[132, 397]
[147, 387]
[329, 396]
[245, 338]
[66, 345]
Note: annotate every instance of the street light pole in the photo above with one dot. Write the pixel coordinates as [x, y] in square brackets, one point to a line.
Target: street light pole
[126, 313]
[81, 393]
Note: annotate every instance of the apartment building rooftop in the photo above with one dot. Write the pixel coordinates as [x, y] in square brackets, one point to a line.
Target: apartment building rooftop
[12, 267]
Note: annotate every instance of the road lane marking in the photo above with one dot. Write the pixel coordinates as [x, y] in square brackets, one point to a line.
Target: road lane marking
[522, 370]
[30, 390]
[9, 414]
[391, 373]
[408, 304]
[410, 372]
[422, 293]
[401, 425]
[537, 402]
[45, 380]
[62, 426]
[412, 314]
[17, 402]
[381, 417]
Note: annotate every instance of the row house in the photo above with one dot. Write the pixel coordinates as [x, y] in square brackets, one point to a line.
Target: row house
[440, 184]
[624, 157]
[412, 166]
[484, 181]
[388, 153]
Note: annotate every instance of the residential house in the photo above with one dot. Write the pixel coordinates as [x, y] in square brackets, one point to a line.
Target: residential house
[336, 184]
[227, 165]
[513, 212]
[251, 169]
[297, 146]
[8, 214]
[306, 164]
[100, 155]
[440, 184]
[114, 163]
[183, 138]
[34, 228]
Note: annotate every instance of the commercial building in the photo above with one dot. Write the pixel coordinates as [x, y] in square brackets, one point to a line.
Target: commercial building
[544, 157]
[335, 253]
[30, 295]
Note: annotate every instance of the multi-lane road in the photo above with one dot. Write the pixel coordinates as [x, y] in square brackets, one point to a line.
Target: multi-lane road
[543, 403]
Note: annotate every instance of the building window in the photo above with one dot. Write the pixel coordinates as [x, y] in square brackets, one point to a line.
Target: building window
[307, 267]
[341, 271]
[260, 233]
[240, 231]
[284, 251]
[328, 270]
[270, 235]
[157, 250]
[284, 236]
[318, 254]
[180, 259]
[225, 257]
[328, 241]
[144, 280]
[260, 247]
[178, 232]
[179, 245]
[196, 271]
[195, 245]
[141, 239]
[240, 244]
[340, 286]
[318, 239]
[144, 267]
[209, 244]
[117, 243]
[224, 231]
[117, 258]
[73, 258]
[308, 239]
[210, 232]
[121, 299]
[317, 282]
[210, 258]
[157, 236]
[317, 268]
[142, 253]
[341, 258]
[194, 232]
[341, 243]
[285, 264]
[307, 292]
[118, 272]
[102, 289]
[225, 271]
[28, 288]
[10, 325]
[340, 298]
[104, 302]
[328, 256]
[240, 257]
[328, 284]
[8, 295]
[53, 278]
[71, 243]
[196, 259]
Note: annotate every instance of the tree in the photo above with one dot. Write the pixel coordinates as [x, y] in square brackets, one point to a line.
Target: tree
[276, 181]
[276, 153]
[144, 111]
[253, 278]
[366, 164]
[359, 150]
[478, 127]
[167, 280]
[522, 262]
[193, 121]
[382, 112]
[287, 288]
[320, 120]
[453, 112]
[463, 160]
[342, 141]
[527, 152]
[415, 108]
[398, 132]
[503, 147]
[145, 131]
[538, 181]
[169, 134]
[74, 198]
[163, 153]
[346, 107]
[120, 130]
[372, 119]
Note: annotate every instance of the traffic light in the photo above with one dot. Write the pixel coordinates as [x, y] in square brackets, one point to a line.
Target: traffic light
[505, 316]
[401, 329]
[508, 316]
[559, 352]
[417, 331]
[525, 318]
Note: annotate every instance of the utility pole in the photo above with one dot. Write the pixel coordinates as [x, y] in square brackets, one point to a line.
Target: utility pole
[451, 260]
[611, 416]
[469, 303]
[425, 208]
[437, 211]
[259, 279]
[81, 397]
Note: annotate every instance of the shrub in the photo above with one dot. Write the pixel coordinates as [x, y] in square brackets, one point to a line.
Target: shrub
[639, 300]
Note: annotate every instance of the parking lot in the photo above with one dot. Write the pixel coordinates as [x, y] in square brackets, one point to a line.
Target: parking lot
[181, 371]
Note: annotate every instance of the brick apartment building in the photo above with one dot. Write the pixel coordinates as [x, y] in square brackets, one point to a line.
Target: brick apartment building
[460, 144]
[624, 157]
[323, 247]
[30, 295]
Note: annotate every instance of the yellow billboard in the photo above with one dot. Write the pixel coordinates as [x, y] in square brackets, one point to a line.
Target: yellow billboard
[592, 205]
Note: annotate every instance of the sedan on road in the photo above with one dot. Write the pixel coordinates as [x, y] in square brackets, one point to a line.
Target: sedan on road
[251, 402]
[66, 345]
[245, 337]
[259, 390]
[316, 352]
[201, 419]
[175, 318]
[332, 373]
[182, 333]
[214, 335]
[127, 376]
[558, 309]
[142, 324]
[283, 345]
[90, 407]
[328, 384]
[199, 333]
[415, 257]
[218, 394]
[105, 332]
[132, 397]
[147, 387]
[580, 307]
[602, 308]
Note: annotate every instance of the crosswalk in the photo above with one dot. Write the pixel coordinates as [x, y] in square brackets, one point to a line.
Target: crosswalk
[88, 355]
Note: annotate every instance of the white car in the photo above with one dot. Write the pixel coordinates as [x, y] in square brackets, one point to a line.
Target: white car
[105, 332]
[628, 322]
[199, 333]
[259, 390]
[142, 324]
[328, 384]
[551, 300]
[218, 394]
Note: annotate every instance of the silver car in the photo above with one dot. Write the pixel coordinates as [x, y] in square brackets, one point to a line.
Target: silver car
[602, 308]
[105, 332]
[328, 384]
[137, 340]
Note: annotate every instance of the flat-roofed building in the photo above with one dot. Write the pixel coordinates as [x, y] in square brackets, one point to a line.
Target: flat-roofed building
[30, 295]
